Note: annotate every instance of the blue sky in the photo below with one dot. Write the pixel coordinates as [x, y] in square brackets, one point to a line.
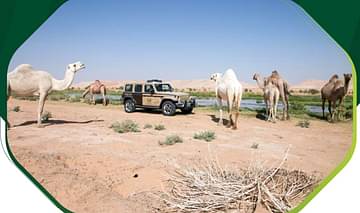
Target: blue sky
[182, 39]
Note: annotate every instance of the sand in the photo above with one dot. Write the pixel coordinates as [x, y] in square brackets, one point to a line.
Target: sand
[88, 167]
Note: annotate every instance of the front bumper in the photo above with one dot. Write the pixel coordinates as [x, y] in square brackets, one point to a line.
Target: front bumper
[186, 104]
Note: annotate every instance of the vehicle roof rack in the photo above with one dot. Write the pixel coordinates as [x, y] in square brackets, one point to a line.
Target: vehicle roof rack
[154, 80]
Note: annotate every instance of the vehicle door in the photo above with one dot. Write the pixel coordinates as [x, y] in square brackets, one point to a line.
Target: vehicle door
[150, 98]
[137, 95]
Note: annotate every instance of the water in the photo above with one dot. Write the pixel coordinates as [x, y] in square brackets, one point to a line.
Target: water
[245, 103]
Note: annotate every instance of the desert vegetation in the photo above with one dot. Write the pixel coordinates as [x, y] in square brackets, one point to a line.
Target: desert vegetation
[205, 135]
[171, 140]
[159, 127]
[125, 126]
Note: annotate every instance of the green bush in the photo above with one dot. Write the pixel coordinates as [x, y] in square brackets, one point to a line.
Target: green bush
[159, 127]
[16, 109]
[171, 140]
[255, 146]
[205, 135]
[125, 126]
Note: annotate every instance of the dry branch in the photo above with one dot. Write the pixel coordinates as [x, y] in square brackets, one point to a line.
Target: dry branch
[210, 188]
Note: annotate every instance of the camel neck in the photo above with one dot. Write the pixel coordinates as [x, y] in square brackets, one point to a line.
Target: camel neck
[261, 86]
[65, 83]
[346, 86]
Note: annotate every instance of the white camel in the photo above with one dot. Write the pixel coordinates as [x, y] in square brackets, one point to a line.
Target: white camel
[228, 88]
[271, 96]
[25, 81]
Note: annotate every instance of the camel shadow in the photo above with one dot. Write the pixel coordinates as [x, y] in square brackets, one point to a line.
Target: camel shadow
[56, 122]
[216, 120]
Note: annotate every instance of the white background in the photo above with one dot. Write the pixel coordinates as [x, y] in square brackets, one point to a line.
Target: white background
[19, 194]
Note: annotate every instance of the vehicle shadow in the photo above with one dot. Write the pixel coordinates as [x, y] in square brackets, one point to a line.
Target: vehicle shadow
[56, 122]
[159, 112]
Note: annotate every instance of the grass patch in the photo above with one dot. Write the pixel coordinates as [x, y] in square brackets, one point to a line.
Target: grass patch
[159, 127]
[205, 135]
[147, 126]
[125, 126]
[303, 124]
[16, 109]
[171, 140]
[46, 116]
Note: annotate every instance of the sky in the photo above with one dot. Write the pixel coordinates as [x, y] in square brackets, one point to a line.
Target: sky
[182, 39]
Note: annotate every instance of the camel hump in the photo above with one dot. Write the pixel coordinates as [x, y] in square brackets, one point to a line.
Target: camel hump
[23, 68]
[229, 74]
[334, 78]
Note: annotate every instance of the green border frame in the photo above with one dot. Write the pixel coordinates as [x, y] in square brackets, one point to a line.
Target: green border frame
[20, 18]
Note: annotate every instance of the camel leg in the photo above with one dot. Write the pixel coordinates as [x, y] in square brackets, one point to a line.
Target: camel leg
[334, 110]
[287, 106]
[283, 99]
[8, 123]
[266, 101]
[93, 99]
[329, 108]
[230, 108]
[104, 95]
[323, 107]
[220, 111]
[341, 108]
[42, 99]
[237, 108]
[275, 106]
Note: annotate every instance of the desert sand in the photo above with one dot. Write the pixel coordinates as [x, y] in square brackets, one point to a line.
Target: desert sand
[88, 167]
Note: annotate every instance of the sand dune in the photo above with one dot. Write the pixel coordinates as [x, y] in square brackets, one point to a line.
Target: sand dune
[208, 85]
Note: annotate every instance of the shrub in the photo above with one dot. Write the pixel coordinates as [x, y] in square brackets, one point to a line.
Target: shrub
[125, 126]
[147, 126]
[205, 135]
[255, 146]
[171, 140]
[46, 116]
[16, 109]
[303, 124]
[159, 127]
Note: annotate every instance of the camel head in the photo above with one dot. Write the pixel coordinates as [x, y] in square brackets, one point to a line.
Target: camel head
[74, 67]
[215, 77]
[347, 77]
[256, 76]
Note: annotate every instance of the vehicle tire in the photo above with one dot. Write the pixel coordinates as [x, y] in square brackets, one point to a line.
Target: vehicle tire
[129, 106]
[187, 110]
[168, 108]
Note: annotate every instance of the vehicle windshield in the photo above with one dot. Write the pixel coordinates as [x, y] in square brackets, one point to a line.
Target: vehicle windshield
[163, 88]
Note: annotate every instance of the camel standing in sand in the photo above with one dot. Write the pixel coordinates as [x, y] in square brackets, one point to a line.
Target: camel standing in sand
[283, 87]
[96, 88]
[25, 81]
[228, 88]
[335, 89]
[271, 96]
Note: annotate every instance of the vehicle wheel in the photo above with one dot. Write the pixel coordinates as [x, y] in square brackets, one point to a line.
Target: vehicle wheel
[129, 106]
[187, 110]
[168, 108]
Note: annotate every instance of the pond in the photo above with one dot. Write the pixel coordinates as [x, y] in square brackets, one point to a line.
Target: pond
[208, 102]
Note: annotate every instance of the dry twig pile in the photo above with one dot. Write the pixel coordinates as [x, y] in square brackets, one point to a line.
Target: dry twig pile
[211, 188]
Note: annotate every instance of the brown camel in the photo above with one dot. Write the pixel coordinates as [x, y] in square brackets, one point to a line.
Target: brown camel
[96, 88]
[335, 89]
[283, 87]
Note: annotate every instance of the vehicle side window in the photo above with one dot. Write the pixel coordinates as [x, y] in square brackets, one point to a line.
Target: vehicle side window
[148, 88]
[138, 87]
[128, 87]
